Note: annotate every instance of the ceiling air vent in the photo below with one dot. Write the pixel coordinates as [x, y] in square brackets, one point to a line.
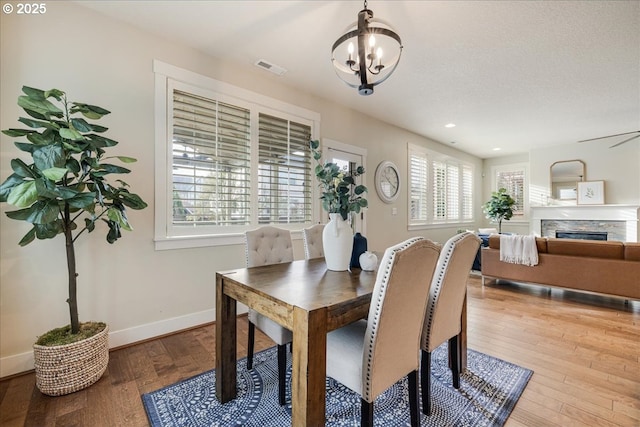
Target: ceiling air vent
[266, 65]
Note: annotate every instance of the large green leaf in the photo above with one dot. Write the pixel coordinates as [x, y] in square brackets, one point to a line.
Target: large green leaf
[40, 106]
[46, 189]
[8, 184]
[100, 141]
[72, 134]
[29, 237]
[50, 230]
[54, 174]
[23, 195]
[36, 124]
[90, 111]
[49, 156]
[21, 169]
[56, 93]
[34, 93]
[82, 200]
[24, 146]
[41, 212]
[116, 215]
[124, 159]
[81, 125]
[17, 132]
[114, 231]
[109, 168]
[45, 138]
[132, 201]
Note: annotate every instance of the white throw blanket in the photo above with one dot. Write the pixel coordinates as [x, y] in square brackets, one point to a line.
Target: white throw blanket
[518, 249]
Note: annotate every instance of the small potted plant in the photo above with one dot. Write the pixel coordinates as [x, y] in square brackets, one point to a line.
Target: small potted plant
[65, 191]
[340, 197]
[499, 207]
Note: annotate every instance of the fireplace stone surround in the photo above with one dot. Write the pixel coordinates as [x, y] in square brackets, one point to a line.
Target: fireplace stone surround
[620, 221]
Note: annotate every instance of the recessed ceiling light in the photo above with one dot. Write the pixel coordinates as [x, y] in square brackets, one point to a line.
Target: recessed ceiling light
[497, 149]
[450, 125]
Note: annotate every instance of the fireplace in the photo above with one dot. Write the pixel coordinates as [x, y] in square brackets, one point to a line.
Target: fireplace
[620, 222]
[583, 235]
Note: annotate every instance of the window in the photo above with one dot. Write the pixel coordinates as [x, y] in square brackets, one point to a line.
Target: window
[440, 187]
[513, 179]
[228, 160]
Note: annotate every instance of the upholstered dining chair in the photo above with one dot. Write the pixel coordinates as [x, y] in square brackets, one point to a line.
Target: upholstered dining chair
[371, 355]
[444, 308]
[263, 246]
[312, 238]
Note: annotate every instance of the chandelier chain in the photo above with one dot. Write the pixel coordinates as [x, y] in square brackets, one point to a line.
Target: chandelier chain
[365, 4]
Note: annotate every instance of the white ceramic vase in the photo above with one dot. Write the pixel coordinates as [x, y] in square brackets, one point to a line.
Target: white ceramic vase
[337, 241]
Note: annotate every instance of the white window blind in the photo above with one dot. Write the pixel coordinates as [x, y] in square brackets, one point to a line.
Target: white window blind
[284, 173]
[441, 188]
[514, 182]
[467, 193]
[418, 178]
[211, 162]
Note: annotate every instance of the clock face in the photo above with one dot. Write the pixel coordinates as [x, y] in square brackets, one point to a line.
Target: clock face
[387, 181]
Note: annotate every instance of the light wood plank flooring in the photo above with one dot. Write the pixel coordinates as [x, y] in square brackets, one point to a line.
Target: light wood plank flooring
[584, 351]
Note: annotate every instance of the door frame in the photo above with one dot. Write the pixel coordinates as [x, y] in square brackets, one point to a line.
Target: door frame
[333, 145]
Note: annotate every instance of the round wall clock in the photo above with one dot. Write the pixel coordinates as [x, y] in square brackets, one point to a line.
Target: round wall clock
[387, 181]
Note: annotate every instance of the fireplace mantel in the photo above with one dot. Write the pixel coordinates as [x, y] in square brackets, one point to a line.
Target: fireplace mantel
[628, 213]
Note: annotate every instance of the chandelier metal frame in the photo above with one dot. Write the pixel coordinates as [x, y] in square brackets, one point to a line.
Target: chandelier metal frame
[364, 66]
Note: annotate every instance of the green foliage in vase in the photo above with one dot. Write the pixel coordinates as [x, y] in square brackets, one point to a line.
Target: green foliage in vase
[65, 189]
[340, 193]
[499, 207]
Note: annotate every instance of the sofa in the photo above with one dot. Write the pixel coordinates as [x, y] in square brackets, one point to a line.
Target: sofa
[603, 267]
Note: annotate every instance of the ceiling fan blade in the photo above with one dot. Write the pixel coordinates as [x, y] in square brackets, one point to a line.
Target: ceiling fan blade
[626, 140]
[610, 136]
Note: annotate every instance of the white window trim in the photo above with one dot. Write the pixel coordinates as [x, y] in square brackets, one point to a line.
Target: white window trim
[163, 74]
[524, 218]
[430, 222]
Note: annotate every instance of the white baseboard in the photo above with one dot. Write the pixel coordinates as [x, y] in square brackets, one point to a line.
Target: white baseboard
[23, 362]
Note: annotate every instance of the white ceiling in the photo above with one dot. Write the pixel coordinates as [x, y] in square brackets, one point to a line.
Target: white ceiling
[512, 75]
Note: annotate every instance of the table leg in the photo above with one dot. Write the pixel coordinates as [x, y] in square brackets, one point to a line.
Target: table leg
[309, 367]
[226, 341]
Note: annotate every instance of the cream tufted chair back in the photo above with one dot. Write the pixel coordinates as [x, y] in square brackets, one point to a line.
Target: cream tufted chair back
[442, 320]
[264, 246]
[268, 245]
[312, 237]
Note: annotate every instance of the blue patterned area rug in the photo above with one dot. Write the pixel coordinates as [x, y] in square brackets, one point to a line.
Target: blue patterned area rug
[489, 389]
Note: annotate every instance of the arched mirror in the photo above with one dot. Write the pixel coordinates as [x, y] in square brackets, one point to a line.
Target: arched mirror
[565, 176]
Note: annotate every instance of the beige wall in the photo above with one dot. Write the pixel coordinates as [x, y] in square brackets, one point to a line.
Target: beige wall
[139, 291]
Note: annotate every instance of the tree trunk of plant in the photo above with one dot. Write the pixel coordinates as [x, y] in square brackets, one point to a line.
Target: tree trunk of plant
[71, 268]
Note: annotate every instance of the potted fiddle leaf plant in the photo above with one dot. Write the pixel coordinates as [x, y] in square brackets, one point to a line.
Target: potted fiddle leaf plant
[500, 207]
[64, 190]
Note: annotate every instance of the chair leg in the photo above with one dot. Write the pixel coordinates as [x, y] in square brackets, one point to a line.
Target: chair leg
[251, 334]
[454, 355]
[413, 399]
[282, 373]
[425, 382]
[366, 413]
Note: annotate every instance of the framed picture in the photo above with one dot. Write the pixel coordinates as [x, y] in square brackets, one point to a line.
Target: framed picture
[591, 193]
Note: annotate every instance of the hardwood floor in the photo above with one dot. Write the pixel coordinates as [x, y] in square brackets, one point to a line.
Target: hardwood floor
[584, 351]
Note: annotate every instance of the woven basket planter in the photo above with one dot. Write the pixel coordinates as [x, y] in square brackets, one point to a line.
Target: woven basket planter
[68, 368]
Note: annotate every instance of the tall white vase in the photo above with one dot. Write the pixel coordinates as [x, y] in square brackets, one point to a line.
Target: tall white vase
[337, 241]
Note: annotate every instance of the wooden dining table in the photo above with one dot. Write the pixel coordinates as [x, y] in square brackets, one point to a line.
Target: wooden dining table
[305, 297]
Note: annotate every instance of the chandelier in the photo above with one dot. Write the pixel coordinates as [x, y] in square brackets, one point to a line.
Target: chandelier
[360, 55]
